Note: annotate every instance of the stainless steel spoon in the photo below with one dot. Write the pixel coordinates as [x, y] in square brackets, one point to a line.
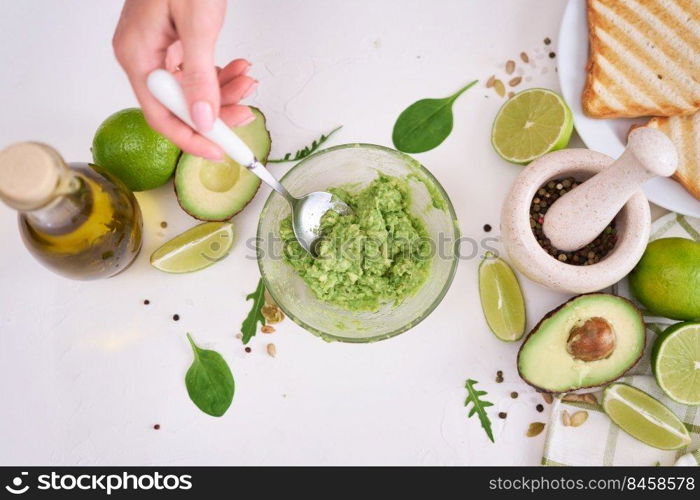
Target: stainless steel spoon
[306, 211]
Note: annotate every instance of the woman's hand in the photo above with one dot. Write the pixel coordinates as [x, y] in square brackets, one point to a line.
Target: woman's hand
[180, 35]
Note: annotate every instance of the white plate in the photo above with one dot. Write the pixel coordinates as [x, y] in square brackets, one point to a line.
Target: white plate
[606, 136]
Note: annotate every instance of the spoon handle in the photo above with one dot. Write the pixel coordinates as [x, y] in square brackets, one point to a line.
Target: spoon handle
[167, 90]
[259, 169]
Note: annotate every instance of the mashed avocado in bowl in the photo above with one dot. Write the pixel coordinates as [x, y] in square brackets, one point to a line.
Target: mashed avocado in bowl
[380, 270]
[374, 255]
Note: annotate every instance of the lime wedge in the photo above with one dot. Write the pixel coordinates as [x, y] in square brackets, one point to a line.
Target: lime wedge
[644, 418]
[530, 124]
[195, 249]
[675, 360]
[501, 299]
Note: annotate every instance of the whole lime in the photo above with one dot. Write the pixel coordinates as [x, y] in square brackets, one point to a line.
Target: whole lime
[667, 278]
[125, 146]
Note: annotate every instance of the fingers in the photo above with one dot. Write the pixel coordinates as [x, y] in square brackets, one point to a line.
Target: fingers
[236, 115]
[236, 89]
[164, 122]
[173, 57]
[235, 68]
[198, 27]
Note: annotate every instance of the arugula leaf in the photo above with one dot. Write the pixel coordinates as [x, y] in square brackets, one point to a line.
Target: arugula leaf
[250, 324]
[303, 153]
[209, 381]
[478, 406]
[426, 123]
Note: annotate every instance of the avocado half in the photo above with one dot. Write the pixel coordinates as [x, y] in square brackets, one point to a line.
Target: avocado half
[588, 341]
[216, 191]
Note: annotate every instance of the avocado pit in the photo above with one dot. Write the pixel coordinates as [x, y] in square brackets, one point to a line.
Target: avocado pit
[592, 341]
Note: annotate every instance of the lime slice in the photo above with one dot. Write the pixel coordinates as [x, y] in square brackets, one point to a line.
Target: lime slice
[675, 360]
[644, 418]
[501, 299]
[195, 249]
[531, 124]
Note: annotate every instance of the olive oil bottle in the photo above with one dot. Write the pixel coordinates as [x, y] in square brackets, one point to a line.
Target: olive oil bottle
[76, 220]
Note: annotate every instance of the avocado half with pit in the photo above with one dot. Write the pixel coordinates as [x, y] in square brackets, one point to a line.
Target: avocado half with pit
[588, 341]
[216, 191]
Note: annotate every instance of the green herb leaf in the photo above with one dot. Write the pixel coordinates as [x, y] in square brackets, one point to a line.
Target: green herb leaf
[209, 381]
[479, 407]
[250, 324]
[303, 153]
[425, 124]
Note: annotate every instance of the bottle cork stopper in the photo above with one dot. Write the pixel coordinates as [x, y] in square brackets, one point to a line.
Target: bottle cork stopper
[29, 174]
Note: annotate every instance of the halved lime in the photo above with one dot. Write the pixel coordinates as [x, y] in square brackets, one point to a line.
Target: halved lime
[195, 249]
[501, 299]
[644, 418]
[530, 124]
[675, 360]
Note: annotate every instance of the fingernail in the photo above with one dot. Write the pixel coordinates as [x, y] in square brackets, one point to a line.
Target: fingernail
[251, 89]
[202, 116]
[248, 120]
[245, 70]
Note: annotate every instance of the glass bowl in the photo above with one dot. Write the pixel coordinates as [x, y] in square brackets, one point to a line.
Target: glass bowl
[354, 166]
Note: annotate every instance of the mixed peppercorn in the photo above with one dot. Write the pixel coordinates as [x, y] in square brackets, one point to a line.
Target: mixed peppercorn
[590, 254]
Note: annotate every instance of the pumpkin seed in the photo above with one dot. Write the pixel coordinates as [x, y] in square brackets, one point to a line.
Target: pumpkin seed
[510, 67]
[565, 418]
[267, 329]
[535, 428]
[272, 350]
[581, 398]
[272, 313]
[490, 81]
[548, 398]
[524, 57]
[515, 81]
[499, 88]
[579, 418]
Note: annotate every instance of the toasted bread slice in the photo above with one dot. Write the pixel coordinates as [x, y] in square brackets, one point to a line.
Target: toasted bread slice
[644, 58]
[684, 131]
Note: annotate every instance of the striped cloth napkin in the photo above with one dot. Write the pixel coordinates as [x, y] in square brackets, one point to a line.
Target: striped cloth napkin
[599, 441]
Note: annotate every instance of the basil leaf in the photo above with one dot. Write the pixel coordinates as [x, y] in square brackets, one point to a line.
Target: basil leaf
[250, 323]
[425, 124]
[209, 381]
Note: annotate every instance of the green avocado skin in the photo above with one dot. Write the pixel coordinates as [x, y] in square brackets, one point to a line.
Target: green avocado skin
[667, 278]
[378, 254]
[545, 363]
[202, 204]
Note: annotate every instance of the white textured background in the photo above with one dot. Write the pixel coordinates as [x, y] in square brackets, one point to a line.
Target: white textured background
[86, 369]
